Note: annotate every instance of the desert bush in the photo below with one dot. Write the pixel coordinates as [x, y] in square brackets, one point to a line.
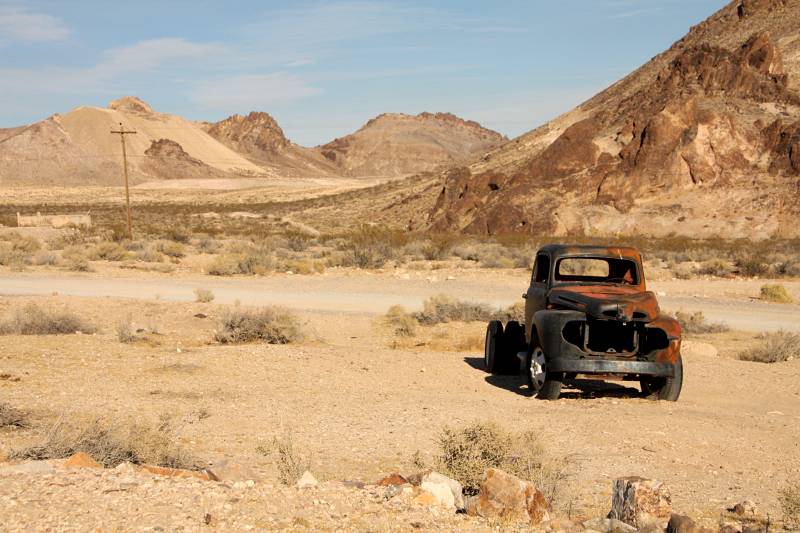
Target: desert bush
[78, 265]
[371, 247]
[403, 323]
[12, 417]
[108, 251]
[775, 293]
[13, 258]
[291, 464]
[207, 245]
[298, 242]
[696, 323]
[126, 332]
[789, 498]
[443, 308]
[148, 254]
[775, 347]
[714, 267]
[751, 265]
[171, 249]
[203, 296]
[45, 258]
[32, 319]
[111, 442]
[22, 243]
[273, 325]
[466, 453]
[258, 260]
[177, 235]
[70, 238]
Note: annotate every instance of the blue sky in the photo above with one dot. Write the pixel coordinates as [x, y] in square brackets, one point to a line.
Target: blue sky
[323, 68]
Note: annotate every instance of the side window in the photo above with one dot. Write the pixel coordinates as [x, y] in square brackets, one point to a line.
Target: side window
[541, 269]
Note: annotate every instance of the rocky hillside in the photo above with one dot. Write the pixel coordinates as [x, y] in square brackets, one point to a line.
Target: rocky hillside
[395, 144]
[259, 138]
[703, 140]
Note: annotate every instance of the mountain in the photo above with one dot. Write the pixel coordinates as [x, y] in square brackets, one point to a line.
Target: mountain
[77, 148]
[395, 144]
[703, 140]
[259, 138]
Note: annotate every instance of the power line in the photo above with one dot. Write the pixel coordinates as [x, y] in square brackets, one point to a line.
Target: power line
[122, 132]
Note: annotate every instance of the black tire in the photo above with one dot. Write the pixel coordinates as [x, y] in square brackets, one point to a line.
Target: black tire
[550, 389]
[492, 346]
[667, 389]
[513, 343]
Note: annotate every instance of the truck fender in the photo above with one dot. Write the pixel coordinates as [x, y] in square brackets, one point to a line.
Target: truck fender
[547, 327]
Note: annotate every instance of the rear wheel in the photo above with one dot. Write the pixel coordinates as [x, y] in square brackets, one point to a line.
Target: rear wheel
[545, 385]
[513, 343]
[669, 389]
[492, 345]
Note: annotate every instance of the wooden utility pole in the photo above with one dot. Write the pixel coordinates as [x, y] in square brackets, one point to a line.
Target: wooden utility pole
[122, 133]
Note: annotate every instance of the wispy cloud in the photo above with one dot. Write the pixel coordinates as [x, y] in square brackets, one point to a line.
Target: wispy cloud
[20, 24]
[152, 53]
[252, 92]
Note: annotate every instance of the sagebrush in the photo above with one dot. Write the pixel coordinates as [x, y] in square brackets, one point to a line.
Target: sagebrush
[774, 347]
[273, 325]
[32, 319]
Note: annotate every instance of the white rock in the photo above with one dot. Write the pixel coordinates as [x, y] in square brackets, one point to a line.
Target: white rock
[452, 484]
[307, 480]
[442, 493]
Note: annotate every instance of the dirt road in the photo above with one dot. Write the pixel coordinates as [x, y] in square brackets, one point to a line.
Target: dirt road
[729, 301]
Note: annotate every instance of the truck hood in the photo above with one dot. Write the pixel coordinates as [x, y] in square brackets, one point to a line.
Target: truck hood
[610, 302]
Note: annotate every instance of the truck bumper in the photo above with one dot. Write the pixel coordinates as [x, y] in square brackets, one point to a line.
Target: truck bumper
[606, 366]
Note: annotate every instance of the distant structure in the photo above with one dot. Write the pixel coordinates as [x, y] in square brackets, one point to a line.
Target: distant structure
[54, 221]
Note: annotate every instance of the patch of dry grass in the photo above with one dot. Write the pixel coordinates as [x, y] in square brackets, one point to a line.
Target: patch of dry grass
[775, 347]
[696, 323]
[442, 309]
[203, 295]
[775, 293]
[465, 453]
[111, 442]
[401, 321]
[32, 319]
[273, 325]
[291, 463]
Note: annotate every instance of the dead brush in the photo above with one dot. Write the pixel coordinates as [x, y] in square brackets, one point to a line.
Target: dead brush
[11, 417]
[110, 442]
[404, 324]
[203, 296]
[775, 347]
[775, 293]
[443, 308]
[789, 498]
[32, 319]
[291, 464]
[273, 325]
[465, 453]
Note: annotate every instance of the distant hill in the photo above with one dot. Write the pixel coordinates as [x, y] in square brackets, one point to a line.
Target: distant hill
[703, 140]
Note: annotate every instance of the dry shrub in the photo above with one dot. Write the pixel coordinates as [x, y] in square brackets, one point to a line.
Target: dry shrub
[401, 321]
[751, 265]
[789, 498]
[148, 254]
[715, 267]
[126, 332]
[775, 347]
[171, 249]
[258, 260]
[207, 245]
[443, 308]
[32, 319]
[298, 266]
[203, 295]
[79, 265]
[371, 247]
[466, 453]
[775, 293]
[696, 323]
[273, 325]
[12, 417]
[108, 251]
[25, 244]
[290, 463]
[45, 258]
[111, 442]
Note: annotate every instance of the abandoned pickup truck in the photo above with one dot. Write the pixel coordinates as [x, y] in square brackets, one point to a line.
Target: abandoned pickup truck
[588, 313]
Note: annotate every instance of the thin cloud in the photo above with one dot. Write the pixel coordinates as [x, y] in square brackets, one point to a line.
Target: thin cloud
[152, 53]
[252, 92]
[22, 25]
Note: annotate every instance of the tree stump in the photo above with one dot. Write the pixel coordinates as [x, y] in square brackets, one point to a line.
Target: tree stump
[639, 502]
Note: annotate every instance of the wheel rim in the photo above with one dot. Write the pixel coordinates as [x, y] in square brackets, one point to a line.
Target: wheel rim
[537, 369]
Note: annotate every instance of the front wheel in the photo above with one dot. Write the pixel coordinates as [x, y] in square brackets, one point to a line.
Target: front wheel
[545, 385]
[668, 389]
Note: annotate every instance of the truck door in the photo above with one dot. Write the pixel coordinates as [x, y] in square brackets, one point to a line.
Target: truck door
[535, 298]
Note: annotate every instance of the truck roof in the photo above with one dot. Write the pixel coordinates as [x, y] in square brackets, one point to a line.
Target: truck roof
[557, 250]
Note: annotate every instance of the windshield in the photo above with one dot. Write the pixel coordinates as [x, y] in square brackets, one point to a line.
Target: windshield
[596, 270]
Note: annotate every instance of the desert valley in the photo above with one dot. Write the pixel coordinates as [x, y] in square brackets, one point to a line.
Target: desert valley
[292, 337]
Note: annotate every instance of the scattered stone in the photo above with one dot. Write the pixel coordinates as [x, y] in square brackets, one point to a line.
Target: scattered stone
[179, 472]
[608, 525]
[425, 498]
[201, 315]
[440, 491]
[730, 527]
[683, 524]
[745, 507]
[639, 502]
[82, 460]
[430, 479]
[307, 480]
[393, 479]
[509, 498]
